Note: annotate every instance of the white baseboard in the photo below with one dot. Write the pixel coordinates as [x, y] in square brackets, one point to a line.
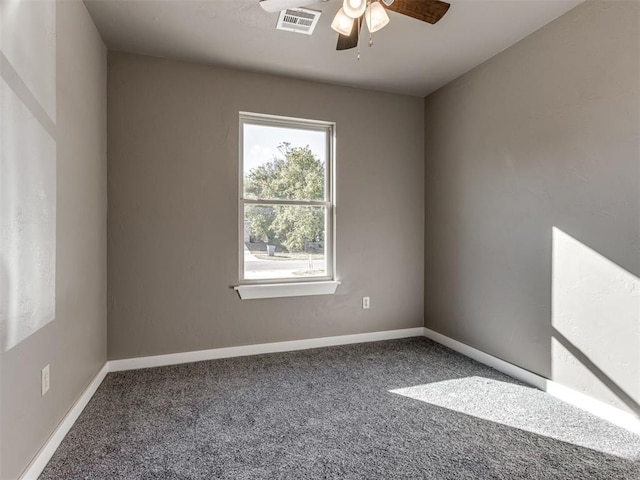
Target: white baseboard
[596, 407]
[503, 366]
[40, 461]
[200, 355]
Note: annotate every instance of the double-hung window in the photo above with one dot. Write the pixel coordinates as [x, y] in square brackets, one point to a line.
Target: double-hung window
[286, 207]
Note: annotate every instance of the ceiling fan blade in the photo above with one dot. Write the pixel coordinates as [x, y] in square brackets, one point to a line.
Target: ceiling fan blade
[345, 42]
[429, 11]
[273, 6]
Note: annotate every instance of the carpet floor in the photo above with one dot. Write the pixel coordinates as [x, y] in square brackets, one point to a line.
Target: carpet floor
[405, 409]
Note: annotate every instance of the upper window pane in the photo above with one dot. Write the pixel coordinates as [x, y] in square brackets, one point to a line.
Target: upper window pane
[284, 163]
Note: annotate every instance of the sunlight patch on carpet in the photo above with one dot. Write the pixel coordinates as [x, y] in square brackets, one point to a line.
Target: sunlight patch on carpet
[522, 407]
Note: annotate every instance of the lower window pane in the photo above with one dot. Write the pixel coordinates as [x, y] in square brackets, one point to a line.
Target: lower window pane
[284, 241]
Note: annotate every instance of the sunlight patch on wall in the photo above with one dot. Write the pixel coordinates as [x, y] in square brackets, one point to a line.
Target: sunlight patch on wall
[525, 408]
[595, 324]
[27, 167]
[28, 41]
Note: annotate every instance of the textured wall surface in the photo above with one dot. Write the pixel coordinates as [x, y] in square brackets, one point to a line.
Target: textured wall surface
[27, 169]
[544, 135]
[173, 209]
[74, 344]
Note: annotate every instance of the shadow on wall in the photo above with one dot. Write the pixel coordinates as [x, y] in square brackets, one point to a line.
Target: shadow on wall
[595, 324]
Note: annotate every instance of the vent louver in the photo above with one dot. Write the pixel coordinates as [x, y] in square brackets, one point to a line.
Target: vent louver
[299, 20]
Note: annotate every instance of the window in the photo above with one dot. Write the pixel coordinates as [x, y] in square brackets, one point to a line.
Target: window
[286, 202]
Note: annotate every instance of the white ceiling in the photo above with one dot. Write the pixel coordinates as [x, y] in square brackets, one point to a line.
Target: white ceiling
[408, 56]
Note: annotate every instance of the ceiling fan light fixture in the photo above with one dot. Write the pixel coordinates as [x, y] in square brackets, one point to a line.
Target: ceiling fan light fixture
[342, 23]
[354, 8]
[376, 17]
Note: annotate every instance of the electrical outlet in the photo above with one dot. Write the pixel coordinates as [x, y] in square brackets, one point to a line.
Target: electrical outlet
[365, 303]
[45, 379]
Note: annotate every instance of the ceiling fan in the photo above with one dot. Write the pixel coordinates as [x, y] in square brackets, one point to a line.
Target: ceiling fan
[348, 20]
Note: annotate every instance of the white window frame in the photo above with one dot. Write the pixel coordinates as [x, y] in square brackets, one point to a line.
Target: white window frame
[286, 287]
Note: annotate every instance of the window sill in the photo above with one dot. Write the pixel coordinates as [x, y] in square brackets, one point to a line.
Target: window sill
[277, 290]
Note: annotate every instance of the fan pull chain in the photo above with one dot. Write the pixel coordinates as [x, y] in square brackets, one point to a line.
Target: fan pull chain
[370, 34]
[359, 30]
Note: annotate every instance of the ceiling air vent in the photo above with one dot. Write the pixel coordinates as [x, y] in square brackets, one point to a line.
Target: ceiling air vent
[299, 20]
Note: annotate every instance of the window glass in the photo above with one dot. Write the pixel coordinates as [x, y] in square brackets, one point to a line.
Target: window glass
[286, 209]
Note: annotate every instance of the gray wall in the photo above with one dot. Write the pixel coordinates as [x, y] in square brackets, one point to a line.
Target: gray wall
[173, 208]
[74, 344]
[544, 135]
